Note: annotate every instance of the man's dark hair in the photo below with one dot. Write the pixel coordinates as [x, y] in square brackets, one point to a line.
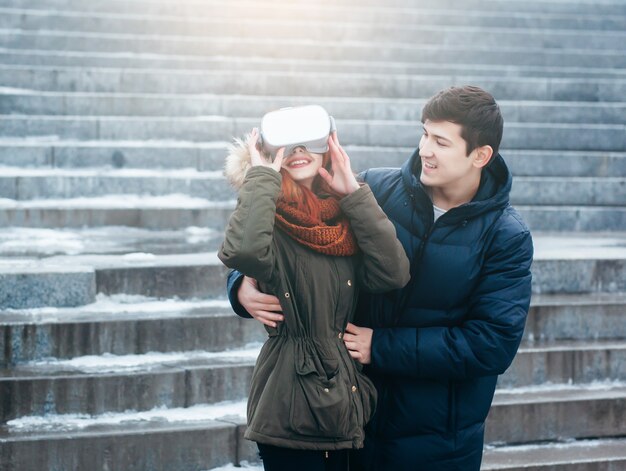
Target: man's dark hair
[475, 110]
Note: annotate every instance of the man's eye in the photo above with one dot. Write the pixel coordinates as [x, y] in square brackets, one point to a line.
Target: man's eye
[442, 144]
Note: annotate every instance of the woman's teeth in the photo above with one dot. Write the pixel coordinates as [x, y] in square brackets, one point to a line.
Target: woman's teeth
[298, 162]
[426, 164]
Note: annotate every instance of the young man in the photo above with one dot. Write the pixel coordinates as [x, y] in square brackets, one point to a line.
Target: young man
[434, 349]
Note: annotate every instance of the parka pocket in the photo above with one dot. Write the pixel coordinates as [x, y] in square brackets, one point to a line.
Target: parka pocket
[320, 407]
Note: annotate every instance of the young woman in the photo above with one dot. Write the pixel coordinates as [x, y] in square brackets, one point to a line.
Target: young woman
[312, 236]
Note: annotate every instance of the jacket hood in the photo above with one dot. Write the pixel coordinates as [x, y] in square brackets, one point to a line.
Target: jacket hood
[493, 192]
[238, 161]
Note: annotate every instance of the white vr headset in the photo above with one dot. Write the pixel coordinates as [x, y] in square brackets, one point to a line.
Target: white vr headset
[306, 126]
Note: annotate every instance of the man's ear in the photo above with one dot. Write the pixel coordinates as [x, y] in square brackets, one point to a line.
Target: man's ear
[482, 156]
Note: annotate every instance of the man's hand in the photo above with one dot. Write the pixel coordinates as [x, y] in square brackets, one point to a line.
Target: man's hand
[265, 308]
[359, 343]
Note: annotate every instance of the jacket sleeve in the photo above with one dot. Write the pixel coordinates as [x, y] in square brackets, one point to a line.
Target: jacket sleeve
[385, 265]
[247, 243]
[485, 344]
[232, 286]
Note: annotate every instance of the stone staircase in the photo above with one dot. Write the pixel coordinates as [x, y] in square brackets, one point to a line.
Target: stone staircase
[119, 350]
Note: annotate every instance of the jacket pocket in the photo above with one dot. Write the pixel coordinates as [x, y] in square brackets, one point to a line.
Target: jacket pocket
[320, 406]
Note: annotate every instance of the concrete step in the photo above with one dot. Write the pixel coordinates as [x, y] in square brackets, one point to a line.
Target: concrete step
[195, 275]
[111, 326]
[176, 211]
[205, 29]
[590, 316]
[29, 102]
[566, 362]
[170, 212]
[496, 14]
[55, 153]
[124, 325]
[577, 264]
[190, 439]
[184, 276]
[27, 284]
[310, 49]
[557, 412]
[573, 218]
[29, 440]
[209, 156]
[105, 384]
[580, 455]
[313, 84]
[540, 136]
[19, 242]
[548, 6]
[29, 184]
[561, 265]
[35, 57]
[26, 184]
[569, 191]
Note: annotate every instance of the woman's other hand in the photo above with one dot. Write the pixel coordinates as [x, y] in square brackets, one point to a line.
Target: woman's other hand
[342, 180]
[257, 159]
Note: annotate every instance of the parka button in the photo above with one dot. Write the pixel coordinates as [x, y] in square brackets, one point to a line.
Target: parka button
[326, 390]
[349, 282]
[353, 388]
[286, 295]
[340, 334]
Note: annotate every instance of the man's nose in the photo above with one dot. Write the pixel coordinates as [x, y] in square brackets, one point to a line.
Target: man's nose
[425, 148]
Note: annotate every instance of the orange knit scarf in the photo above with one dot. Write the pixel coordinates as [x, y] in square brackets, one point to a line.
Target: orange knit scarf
[331, 236]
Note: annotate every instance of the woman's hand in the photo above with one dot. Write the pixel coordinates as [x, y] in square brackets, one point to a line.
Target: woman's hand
[257, 159]
[342, 180]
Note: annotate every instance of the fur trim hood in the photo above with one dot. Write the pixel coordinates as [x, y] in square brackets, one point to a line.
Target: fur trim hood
[238, 161]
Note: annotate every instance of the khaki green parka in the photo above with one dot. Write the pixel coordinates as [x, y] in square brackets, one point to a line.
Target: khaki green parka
[306, 390]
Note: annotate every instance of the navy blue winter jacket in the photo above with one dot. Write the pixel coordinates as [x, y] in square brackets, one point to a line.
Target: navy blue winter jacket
[440, 343]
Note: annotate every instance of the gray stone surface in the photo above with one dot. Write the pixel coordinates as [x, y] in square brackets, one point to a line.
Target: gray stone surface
[274, 83]
[573, 218]
[576, 317]
[182, 281]
[494, 14]
[540, 136]
[584, 455]
[371, 66]
[566, 362]
[29, 286]
[209, 186]
[31, 337]
[210, 157]
[557, 414]
[144, 446]
[46, 390]
[184, 105]
[324, 31]
[212, 216]
[28, 185]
